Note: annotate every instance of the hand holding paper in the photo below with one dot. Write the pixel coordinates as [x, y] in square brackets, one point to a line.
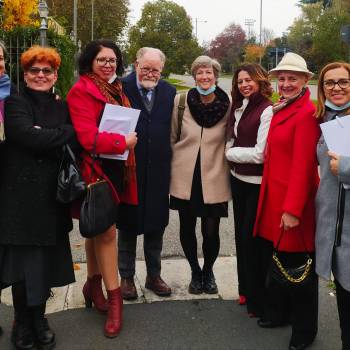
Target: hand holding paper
[121, 120]
[334, 162]
[131, 140]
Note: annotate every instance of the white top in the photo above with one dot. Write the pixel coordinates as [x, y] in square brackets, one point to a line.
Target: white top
[254, 155]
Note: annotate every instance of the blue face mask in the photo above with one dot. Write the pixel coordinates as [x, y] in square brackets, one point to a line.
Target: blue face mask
[331, 105]
[206, 92]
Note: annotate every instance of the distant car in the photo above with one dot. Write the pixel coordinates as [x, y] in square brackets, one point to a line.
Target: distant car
[129, 69]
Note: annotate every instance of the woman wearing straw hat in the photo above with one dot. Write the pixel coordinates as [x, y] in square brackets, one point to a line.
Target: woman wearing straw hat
[286, 210]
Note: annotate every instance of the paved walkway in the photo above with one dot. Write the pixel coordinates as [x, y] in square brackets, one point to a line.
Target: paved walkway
[180, 322]
[176, 272]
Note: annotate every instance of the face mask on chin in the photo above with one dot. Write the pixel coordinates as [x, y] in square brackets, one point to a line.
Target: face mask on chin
[206, 92]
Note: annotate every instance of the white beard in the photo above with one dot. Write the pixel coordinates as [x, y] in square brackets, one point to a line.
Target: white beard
[149, 84]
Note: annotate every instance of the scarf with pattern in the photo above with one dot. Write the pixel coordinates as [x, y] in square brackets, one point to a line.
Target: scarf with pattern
[283, 102]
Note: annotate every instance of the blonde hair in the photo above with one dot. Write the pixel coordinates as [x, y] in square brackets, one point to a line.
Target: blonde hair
[205, 61]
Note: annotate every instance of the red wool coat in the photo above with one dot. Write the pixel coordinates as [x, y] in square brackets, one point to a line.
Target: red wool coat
[86, 104]
[290, 177]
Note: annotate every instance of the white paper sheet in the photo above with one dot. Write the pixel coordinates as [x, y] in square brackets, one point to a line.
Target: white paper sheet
[121, 120]
[337, 135]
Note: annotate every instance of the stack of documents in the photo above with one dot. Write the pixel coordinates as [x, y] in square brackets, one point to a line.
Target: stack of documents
[119, 120]
[337, 135]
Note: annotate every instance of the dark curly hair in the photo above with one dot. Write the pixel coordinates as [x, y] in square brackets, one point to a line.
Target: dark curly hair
[258, 74]
[91, 50]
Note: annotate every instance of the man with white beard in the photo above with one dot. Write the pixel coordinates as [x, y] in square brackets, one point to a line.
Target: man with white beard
[155, 98]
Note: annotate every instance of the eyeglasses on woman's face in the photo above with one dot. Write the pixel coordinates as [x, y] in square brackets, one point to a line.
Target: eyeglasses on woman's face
[342, 83]
[36, 71]
[103, 61]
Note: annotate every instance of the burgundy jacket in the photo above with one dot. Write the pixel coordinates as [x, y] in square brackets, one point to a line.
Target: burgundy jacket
[247, 132]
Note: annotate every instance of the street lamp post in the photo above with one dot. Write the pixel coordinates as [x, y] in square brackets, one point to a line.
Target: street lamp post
[261, 7]
[260, 39]
[249, 22]
[198, 21]
[92, 19]
[75, 21]
[43, 14]
[1, 6]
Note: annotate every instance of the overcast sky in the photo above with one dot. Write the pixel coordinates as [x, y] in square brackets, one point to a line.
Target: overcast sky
[277, 14]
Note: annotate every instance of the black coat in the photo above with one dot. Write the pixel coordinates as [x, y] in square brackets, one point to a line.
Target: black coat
[153, 156]
[30, 158]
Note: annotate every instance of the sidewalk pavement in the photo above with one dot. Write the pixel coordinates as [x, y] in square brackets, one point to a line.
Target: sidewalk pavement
[180, 322]
[175, 272]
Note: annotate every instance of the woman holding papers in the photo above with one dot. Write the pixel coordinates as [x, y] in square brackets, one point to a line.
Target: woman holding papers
[99, 64]
[333, 201]
[200, 184]
[286, 209]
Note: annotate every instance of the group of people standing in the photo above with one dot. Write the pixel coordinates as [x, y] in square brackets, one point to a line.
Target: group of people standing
[202, 147]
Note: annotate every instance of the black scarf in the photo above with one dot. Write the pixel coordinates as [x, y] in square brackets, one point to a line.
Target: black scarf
[207, 115]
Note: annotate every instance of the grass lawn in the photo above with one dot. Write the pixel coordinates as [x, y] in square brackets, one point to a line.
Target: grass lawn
[177, 84]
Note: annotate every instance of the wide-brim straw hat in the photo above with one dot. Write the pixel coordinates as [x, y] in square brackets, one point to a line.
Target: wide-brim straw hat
[291, 62]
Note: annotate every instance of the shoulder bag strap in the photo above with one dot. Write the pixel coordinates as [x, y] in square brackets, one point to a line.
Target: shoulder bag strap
[180, 114]
[93, 156]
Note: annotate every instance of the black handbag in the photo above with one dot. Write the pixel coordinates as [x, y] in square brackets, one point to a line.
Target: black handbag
[290, 277]
[98, 211]
[70, 184]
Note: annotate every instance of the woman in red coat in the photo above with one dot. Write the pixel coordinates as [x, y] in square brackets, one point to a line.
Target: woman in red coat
[98, 85]
[286, 210]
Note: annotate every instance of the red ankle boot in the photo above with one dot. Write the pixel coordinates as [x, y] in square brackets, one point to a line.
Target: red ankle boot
[113, 323]
[93, 293]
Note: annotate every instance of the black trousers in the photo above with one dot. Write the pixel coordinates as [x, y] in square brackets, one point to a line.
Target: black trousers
[343, 302]
[297, 306]
[245, 198]
[152, 247]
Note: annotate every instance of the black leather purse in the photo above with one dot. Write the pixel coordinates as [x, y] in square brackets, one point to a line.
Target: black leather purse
[290, 277]
[70, 184]
[98, 211]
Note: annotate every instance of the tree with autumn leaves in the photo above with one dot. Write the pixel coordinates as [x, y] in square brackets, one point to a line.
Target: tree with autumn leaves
[228, 47]
[18, 13]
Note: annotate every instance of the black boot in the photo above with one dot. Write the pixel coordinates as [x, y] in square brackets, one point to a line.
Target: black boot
[196, 284]
[22, 336]
[209, 284]
[44, 335]
[1, 331]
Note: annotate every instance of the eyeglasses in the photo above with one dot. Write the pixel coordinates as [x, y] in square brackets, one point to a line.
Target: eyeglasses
[37, 70]
[146, 71]
[342, 83]
[102, 61]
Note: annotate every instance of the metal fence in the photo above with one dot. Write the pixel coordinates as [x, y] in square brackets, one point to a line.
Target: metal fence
[16, 45]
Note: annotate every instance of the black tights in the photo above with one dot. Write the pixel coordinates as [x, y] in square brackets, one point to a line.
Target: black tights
[211, 239]
[23, 313]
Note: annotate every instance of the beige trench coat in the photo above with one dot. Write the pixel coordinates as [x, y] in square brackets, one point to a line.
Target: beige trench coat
[214, 166]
